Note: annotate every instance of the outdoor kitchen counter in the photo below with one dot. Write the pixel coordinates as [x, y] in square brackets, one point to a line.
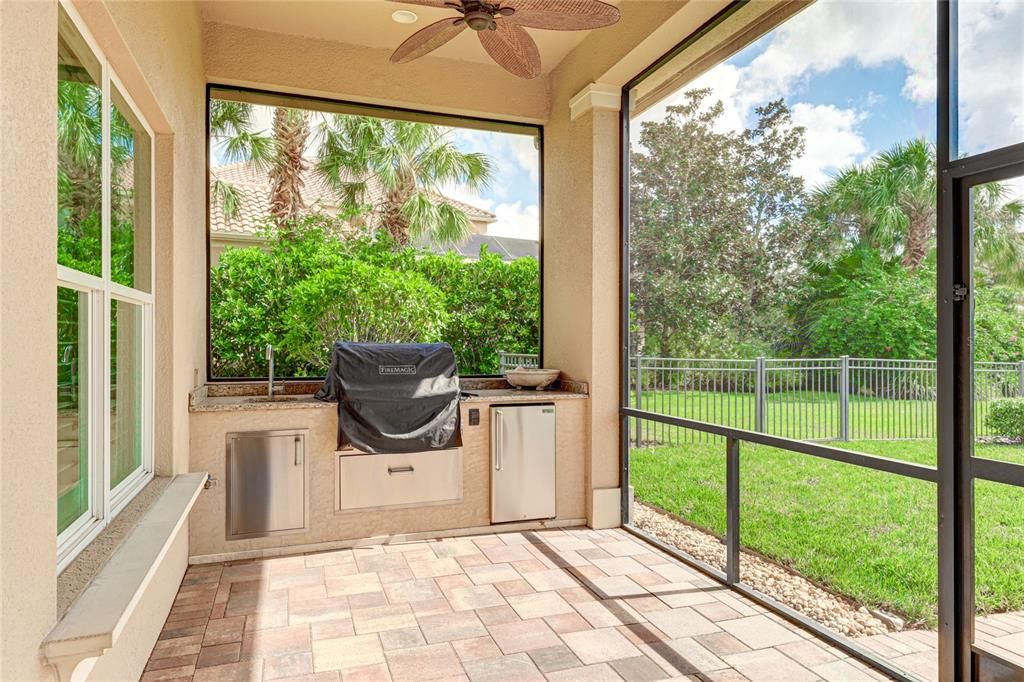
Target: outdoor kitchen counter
[214, 417]
[237, 402]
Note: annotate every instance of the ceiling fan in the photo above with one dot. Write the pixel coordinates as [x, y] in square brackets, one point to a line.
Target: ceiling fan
[500, 26]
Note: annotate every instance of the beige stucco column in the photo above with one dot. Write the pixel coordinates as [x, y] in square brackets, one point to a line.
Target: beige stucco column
[28, 334]
[581, 275]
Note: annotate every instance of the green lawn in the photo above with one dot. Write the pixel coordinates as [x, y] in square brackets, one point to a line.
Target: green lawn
[865, 533]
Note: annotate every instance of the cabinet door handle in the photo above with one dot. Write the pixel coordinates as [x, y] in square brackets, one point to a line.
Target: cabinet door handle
[499, 455]
[407, 469]
[298, 451]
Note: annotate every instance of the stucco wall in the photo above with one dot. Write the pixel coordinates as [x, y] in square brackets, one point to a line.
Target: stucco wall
[162, 41]
[274, 61]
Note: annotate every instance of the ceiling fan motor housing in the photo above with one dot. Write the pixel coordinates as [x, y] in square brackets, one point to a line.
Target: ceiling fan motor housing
[479, 20]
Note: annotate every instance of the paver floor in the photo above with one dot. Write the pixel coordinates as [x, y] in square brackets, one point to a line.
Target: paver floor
[573, 604]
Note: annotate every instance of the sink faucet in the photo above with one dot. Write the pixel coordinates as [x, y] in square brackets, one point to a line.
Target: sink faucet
[270, 370]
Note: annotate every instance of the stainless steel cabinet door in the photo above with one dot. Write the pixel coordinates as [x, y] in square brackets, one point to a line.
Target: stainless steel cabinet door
[267, 485]
[522, 462]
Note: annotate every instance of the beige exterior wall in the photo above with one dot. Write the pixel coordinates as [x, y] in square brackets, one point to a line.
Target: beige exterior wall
[160, 40]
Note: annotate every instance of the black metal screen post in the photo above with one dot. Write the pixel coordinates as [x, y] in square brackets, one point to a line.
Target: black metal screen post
[955, 619]
[732, 512]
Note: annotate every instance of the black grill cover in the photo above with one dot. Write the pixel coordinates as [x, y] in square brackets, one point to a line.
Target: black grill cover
[395, 397]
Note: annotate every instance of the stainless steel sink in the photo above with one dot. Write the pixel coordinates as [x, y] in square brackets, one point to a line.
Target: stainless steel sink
[275, 399]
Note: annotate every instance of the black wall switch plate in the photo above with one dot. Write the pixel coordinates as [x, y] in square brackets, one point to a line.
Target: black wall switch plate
[474, 417]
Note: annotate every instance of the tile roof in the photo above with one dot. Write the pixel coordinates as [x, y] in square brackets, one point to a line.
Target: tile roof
[252, 186]
[509, 248]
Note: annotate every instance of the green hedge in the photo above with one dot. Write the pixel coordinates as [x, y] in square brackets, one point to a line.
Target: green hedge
[1006, 417]
[310, 285]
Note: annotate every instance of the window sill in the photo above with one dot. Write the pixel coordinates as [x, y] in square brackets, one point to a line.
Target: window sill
[95, 621]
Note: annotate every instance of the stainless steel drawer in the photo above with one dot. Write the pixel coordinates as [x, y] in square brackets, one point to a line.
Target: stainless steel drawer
[371, 481]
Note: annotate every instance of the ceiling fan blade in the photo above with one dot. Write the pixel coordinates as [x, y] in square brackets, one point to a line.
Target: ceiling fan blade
[512, 49]
[562, 15]
[442, 4]
[428, 39]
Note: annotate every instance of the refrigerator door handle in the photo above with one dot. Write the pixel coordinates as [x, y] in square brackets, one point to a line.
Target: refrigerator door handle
[499, 458]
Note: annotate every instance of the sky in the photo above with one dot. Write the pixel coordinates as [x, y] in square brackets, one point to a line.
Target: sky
[859, 75]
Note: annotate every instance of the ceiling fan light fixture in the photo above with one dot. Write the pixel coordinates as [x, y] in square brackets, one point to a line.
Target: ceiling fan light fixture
[404, 16]
[479, 20]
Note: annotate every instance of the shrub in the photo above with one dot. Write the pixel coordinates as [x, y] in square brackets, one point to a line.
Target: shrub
[1006, 417]
[356, 301]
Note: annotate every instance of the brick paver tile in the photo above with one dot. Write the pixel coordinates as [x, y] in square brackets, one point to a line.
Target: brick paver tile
[807, 652]
[513, 587]
[515, 668]
[275, 642]
[433, 568]
[683, 656]
[332, 629]
[492, 573]
[318, 610]
[173, 662]
[758, 632]
[495, 615]
[567, 622]
[722, 643]
[188, 628]
[246, 603]
[841, 671]
[305, 576]
[684, 622]
[523, 635]
[429, 662]
[243, 671]
[179, 646]
[184, 672]
[431, 607]
[446, 627]
[266, 621]
[601, 672]
[598, 646]
[616, 586]
[550, 579]
[412, 590]
[475, 648]
[554, 658]
[289, 665]
[539, 604]
[402, 638]
[357, 583]
[347, 652]
[475, 597]
[678, 595]
[717, 611]
[375, 563]
[638, 669]
[219, 654]
[619, 565]
[377, 618]
[770, 665]
[367, 673]
[507, 553]
[608, 613]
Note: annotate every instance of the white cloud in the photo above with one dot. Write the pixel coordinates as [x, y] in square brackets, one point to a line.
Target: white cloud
[832, 140]
[518, 220]
[991, 78]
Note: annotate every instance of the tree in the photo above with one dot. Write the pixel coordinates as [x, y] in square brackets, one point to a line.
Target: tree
[231, 126]
[889, 204]
[717, 235]
[411, 162]
[291, 130]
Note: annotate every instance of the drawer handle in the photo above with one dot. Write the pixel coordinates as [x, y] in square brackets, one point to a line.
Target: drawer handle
[407, 469]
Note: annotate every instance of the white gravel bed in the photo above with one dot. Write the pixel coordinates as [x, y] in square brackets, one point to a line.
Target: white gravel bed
[776, 581]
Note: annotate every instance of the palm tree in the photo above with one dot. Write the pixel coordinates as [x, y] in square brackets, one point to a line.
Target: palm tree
[888, 204]
[291, 130]
[231, 126]
[410, 162]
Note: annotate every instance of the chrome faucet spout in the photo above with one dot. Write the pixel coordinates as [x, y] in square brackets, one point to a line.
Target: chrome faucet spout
[270, 371]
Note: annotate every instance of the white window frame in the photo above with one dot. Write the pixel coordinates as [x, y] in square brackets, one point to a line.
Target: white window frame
[104, 503]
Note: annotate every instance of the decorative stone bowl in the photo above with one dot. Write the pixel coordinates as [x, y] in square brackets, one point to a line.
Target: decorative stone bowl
[526, 377]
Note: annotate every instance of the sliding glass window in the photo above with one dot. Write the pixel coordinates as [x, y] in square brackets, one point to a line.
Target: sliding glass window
[104, 293]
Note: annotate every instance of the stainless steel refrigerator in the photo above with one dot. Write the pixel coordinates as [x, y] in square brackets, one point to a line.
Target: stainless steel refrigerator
[522, 462]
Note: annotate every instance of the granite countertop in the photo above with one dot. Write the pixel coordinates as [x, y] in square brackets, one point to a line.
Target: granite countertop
[203, 402]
